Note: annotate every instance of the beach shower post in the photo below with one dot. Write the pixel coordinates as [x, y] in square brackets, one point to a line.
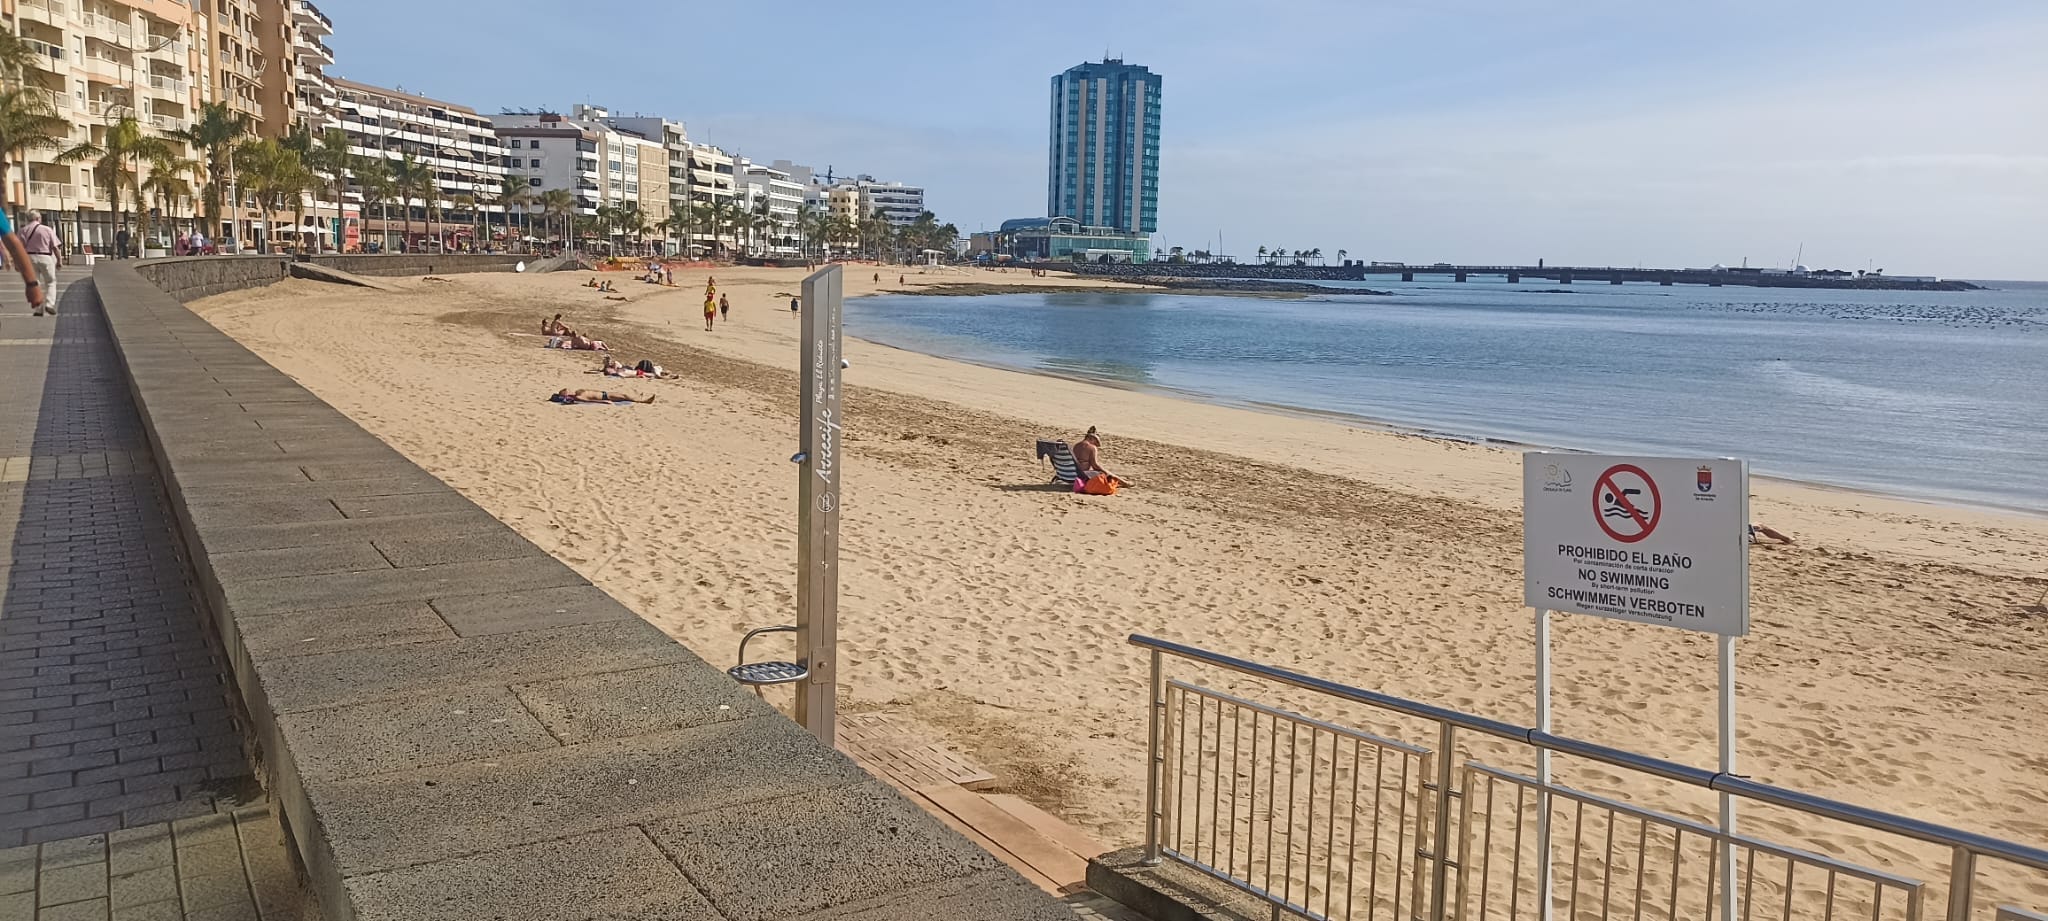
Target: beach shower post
[818, 458]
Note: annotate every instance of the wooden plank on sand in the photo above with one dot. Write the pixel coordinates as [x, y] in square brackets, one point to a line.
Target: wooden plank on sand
[1049, 825]
[1041, 853]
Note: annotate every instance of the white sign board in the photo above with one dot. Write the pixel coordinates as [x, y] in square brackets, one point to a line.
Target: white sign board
[1654, 540]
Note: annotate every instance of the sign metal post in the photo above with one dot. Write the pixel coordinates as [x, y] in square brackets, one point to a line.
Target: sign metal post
[819, 462]
[1660, 541]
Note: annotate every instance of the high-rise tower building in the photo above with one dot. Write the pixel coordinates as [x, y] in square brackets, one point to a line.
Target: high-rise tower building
[1104, 156]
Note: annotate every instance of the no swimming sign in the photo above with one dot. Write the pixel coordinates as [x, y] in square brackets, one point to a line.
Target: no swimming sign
[1654, 540]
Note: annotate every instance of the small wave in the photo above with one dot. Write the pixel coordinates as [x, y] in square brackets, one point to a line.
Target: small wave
[1812, 383]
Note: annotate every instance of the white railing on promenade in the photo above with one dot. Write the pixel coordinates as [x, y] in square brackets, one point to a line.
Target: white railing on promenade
[1327, 821]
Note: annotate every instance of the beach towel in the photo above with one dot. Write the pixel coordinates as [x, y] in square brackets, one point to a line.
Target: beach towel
[567, 401]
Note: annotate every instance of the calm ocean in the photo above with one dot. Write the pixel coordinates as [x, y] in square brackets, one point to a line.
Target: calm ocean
[1935, 395]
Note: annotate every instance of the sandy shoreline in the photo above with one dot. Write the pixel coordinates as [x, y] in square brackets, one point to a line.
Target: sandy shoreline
[1898, 659]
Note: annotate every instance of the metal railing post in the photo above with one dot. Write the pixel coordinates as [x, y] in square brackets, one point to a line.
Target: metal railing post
[1155, 761]
[1962, 876]
[1440, 846]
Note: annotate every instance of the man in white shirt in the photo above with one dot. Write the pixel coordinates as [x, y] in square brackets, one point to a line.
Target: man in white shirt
[44, 254]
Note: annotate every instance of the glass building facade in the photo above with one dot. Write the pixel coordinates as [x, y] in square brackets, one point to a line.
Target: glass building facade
[1104, 156]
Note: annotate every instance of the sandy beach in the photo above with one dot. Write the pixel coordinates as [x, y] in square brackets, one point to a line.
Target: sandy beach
[1900, 652]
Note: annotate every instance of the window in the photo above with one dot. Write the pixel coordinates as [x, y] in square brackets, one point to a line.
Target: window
[515, 143]
[535, 182]
[533, 163]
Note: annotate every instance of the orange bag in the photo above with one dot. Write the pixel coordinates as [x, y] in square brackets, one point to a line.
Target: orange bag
[1101, 484]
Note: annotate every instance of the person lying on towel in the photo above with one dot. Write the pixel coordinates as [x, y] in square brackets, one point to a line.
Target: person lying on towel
[569, 395]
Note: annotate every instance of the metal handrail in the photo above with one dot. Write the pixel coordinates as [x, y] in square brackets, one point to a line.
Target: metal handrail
[1978, 844]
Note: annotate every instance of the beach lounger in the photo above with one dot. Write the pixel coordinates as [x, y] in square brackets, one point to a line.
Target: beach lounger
[1064, 468]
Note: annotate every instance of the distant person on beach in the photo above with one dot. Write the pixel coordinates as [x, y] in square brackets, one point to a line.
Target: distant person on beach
[1760, 530]
[710, 311]
[724, 307]
[17, 259]
[571, 395]
[1088, 457]
[795, 304]
[555, 327]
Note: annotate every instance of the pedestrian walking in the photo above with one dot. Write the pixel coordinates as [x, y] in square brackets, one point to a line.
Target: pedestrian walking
[17, 257]
[121, 240]
[724, 307]
[40, 242]
[794, 305]
[710, 311]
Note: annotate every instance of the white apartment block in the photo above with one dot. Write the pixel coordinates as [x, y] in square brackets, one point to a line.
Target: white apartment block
[899, 203]
[675, 143]
[457, 142]
[585, 154]
[310, 59]
[753, 185]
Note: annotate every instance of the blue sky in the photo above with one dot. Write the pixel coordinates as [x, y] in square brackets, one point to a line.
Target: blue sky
[1911, 136]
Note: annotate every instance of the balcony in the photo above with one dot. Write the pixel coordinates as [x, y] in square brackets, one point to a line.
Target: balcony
[52, 190]
[166, 123]
[317, 50]
[169, 85]
[46, 54]
[51, 12]
[107, 27]
[310, 18]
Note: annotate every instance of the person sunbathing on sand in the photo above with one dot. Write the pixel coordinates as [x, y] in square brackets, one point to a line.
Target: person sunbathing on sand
[572, 395]
[555, 327]
[1088, 457]
[615, 368]
[1759, 531]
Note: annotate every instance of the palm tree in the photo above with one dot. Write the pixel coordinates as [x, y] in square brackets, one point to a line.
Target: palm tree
[1341, 254]
[1317, 255]
[15, 55]
[681, 222]
[278, 178]
[1262, 254]
[373, 179]
[215, 134]
[463, 201]
[559, 203]
[512, 193]
[27, 122]
[167, 185]
[116, 162]
[411, 179]
[332, 160]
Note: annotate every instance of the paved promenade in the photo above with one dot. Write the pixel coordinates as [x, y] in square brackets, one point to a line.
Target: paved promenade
[115, 718]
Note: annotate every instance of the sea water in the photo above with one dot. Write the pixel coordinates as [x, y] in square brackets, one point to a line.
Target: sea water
[1938, 395]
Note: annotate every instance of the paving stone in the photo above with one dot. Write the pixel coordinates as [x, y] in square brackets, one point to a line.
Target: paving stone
[334, 679]
[391, 820]
[614, 873]
[793, 855]
[351, 589]
[511, 612]
[637, 702]
[416, 732]
[17, 870]
[16, 906]
[337, 629]
[75, 851]
[999, 895]
[433, 550]
[133, 849]
[56, 886]
[296, 561]
[92, 910]
[155, 911]
[141, 887]
[229, 538]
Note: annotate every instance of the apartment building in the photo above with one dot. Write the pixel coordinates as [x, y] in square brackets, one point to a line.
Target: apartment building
[459, 144]
[756, 186]
[100, 61]
[313, 92]
[234, 36]
[899, 204]
[675, 142]
[587, 154]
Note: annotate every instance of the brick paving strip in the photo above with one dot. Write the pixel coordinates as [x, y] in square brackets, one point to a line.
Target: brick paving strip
[118, 745]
